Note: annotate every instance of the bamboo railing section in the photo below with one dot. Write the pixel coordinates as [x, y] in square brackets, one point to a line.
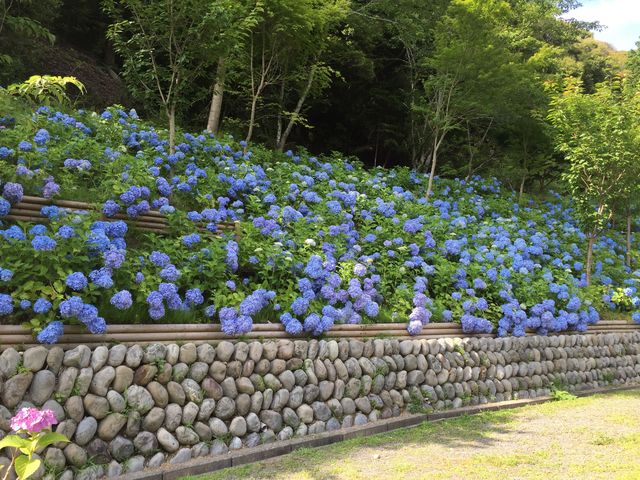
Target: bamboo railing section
[17, 336]
[29, 210]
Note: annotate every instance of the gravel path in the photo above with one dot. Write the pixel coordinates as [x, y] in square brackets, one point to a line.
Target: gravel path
[588, 438]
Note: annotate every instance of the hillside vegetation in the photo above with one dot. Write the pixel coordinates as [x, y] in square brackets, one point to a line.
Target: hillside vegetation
[324, 239]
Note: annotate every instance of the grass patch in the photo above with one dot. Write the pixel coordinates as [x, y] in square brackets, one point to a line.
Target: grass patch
[553, 440]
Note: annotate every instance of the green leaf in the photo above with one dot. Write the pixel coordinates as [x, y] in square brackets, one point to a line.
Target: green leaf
[50, 438]
[25, 467]
[13, 441]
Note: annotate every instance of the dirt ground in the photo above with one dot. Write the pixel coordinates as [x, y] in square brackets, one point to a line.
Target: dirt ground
[596, 437]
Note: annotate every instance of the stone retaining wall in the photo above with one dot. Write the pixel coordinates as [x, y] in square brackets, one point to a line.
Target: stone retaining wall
[127, 408]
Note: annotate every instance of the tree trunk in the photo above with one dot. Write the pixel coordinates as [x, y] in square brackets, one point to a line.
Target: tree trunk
[213, 122]
[434, 159]
[171, 113]
[521, 191]
[296, 111]
[629, 238]
[281, 108]
[252, 118]
[592, 237]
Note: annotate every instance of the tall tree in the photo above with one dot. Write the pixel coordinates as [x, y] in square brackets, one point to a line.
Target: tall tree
[595, 132]
[161, 43]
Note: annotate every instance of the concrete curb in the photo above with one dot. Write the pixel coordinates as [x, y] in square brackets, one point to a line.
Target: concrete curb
[208, 464]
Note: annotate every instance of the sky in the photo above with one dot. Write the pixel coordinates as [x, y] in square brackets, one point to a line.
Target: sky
[621, 17]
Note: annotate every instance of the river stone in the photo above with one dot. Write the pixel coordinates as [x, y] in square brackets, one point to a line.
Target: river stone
[54, 359]
[79, 357]
[98, 451]
[360, 419]
[296, 397]
[192, 390]
[134, 356]
[176, 393]
[290, 417]
[135, 464]
[207, 407]
[75, 455]
[305, 413]
[155, 352]
[167, 441]
[154, 419]
[270, 351]
[238, 427]
[181, 456]
[9, 361]
[229, 387]
[123, 378]
[321, 411]
[199, 450]
[134, 422]
[121, 448]
[74, 407]
[85, 430]
[42, 386]
[66, 381]
[83, 381]
[188, 353]
[189, 413]
[218, 447]
[206, 353]
[285, 349]
[244, 385]
[212, 389]
[116, 355]
[159, 394]
[271, 419]
[111, 425]
[186, 436]
[280, 399]
[224, 351]
[114, 469]
[326, 390]
[156, 460]
[218, 428]
[102, 380]
[225, 408]
[55, 459]
[179, 372]
[144, 374]
[165, 374]
[317, 427]
[267, 399]
[15, 388]
[99, 358]
[243, 404]
[139, 399]
[34, 358]
[98, 407]
[172, 416]
[262, 367]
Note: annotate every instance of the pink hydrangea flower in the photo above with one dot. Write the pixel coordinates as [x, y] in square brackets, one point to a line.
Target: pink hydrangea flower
[33, 420]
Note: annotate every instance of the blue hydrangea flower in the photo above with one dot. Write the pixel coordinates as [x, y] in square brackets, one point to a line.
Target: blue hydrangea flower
[76, 281]
[122, 300]
[43, 243]
[12, 192]
[41, 306]
[51, 333]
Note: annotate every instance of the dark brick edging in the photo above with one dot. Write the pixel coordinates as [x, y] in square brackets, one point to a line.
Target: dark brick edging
[243, 456]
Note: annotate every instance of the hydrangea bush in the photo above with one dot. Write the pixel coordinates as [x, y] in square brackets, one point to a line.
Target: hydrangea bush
[33, 433]
[324, 240]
